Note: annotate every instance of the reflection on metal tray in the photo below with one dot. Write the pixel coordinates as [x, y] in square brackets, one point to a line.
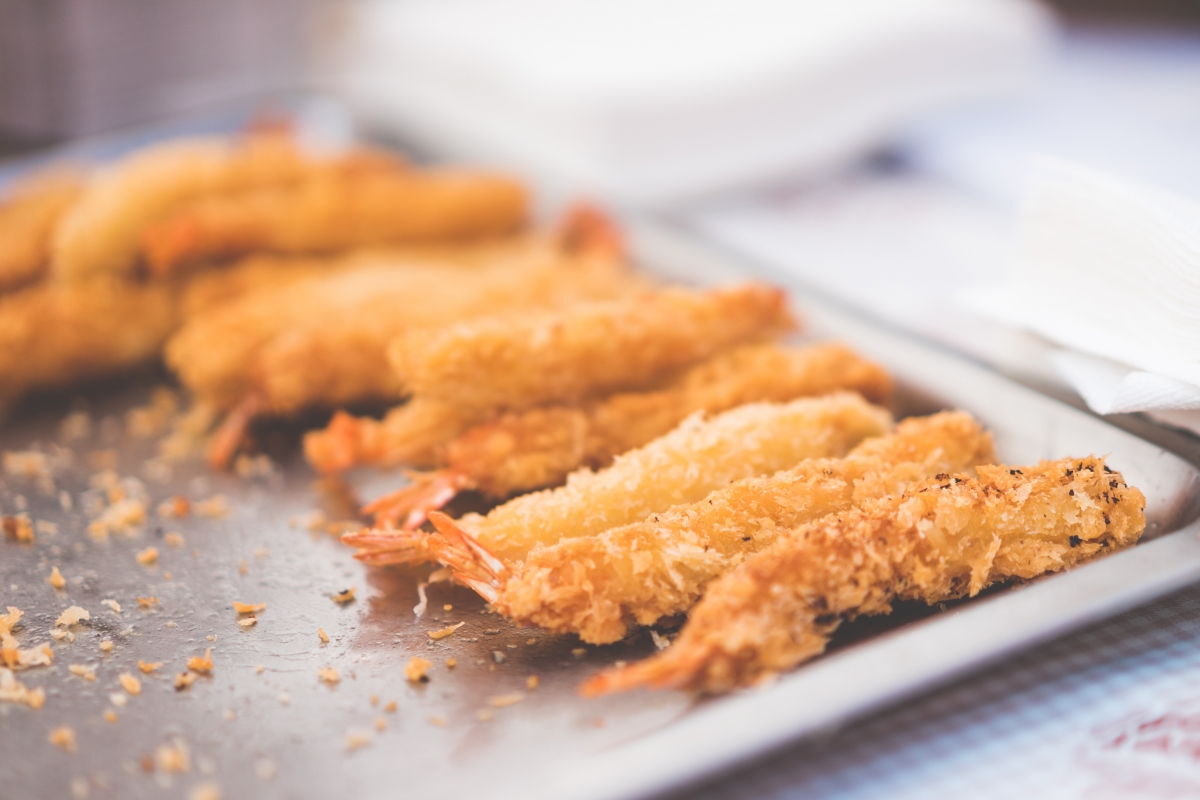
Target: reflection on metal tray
[280, 732]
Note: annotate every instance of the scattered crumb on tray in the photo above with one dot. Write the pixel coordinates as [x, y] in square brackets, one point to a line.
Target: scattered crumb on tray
[438, 721]
[532, 682]
[329, 675]
[416, 669]
[205, 791]
[13, 691]
[444, 632]
[344, 596]
[505, 700]
[247, 622]
[63, 737]
[130, 683]
[106, 646]
[149, 666]
[118, 699]
[451, 663]
[380, 724]
[323, 636]
[147, 557]
[201, 663]
[176, 507]
[173, 757]
[18, 528]
[183, 680]
[391, 707]
[216, 506]
[357, 739]
[174, 539]
[248, 608]
[83, 671]
[147, 602]
[113, 605]
[110, 715]
[56, 579]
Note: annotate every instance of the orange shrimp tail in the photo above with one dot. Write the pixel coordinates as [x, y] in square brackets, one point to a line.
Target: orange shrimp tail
[337, 447]
[587, 229]
[378, 547]
[428, 492]
[231, 435]
[470, 561]
[671, 669]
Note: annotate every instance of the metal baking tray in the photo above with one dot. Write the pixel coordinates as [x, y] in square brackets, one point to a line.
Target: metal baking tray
[281, 733]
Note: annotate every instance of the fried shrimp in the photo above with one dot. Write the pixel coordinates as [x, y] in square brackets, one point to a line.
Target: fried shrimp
[597, 586]
[102, 232]
[942, 539]
[540, 447]
[337, 209]
[571, 354]
[681, 467]
[53, 335]
[27, 220]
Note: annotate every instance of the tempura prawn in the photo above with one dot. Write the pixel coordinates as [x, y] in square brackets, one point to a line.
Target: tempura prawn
[681, 467]
[532, 449]
[942, 539]
[597, 586]
[572, 354]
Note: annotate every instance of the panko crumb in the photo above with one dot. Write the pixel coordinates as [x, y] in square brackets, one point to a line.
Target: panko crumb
[259, 669]
[63, 737]
[532, 682]
[110, 715]
[106, 646]
[173, 757]
[438, 721]
[374, 700]
[247, 622]
[113, 605]
[416, 669]
[380, 724]
[147, 602]
[174, 507]
[152, 419]
[118, 699]
[72, 616]
[660, 642]
[345, 596]
[451, 663]
[444, 632]
[17, 529]
[83, 671]
[205, 791]
[183, 680]
[58, 635]
[284, 698]
[147, 557]
[505, 700]
[13, 691]
[201, 664]
[329, 675]
[124, 517]
[130, 683]
[357, 739]
[248, 608]
[174, 539]
[323, 636]
[391, 707]
[27, 464]
[56, 579]
[216, 506]
[149, 666]
[45, 527]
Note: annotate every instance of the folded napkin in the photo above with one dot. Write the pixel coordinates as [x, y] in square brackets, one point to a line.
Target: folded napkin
[1109, 269]
[649, 102]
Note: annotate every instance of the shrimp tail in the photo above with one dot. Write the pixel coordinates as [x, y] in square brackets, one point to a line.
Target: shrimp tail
[231, 435]
[428, 492]
[469, 560]
[380, 546]
[587, 229]
[669, 670]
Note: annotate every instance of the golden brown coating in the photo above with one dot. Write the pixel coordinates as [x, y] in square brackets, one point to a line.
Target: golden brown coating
[597, 586]
[54, 335]
[540, 447]
[942, 539]
[27, 221]
[569, 355]
[322, 341]
[338, 209]
[681, 467]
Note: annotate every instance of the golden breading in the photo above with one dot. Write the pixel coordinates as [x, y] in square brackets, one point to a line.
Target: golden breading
[569, 355]
[942, 539]
[533, 449]
[682, 467]
[102, 232]
[336, 210]
[27, 221]
[597, 586]
[414, 434]
[322, 341]
[54, 335]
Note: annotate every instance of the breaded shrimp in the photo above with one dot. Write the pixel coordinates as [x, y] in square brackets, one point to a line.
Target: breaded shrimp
[53, 335]
[681, 467]
[942, 539]
[27, 221]
[540, 447]
[323, 340]
[597, 586]
[569, 355]
[334, 210]
[101, 234]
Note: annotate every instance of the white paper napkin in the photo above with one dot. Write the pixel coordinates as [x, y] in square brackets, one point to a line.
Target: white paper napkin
[1110, 269]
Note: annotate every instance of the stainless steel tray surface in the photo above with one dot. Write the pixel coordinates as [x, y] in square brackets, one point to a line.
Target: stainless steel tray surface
[281, 732]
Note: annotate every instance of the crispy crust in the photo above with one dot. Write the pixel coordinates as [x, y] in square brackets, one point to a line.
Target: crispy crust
[597, 586]
[336, 209]
[942, 539]
[567, 356]
[27, 221]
